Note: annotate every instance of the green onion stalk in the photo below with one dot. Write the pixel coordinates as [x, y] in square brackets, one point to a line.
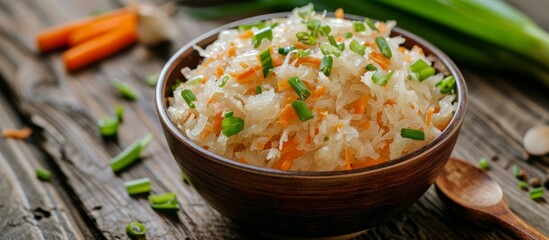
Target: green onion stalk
[487, 34]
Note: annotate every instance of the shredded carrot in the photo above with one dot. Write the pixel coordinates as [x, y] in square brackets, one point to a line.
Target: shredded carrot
[429, 116]
[289, 156]
[348, 157]
[418, 49]
[383, 157]
[390, 102]
[381, 60]
[219, 71]
[207, 61]
[380, 120]
[286, 165]
[243, 65]
[248, 75]
[282, 84]
[381, 27]
[340, 39]
[58, 36]
[338, 126]
[339, 13]
[242, 160]
[95, 29]
[99, 48]
[300, 45]
[370, 44]
[287, 115]
[443, 125]
[311, 61]
[318, 92]
[365, 126]
[17, 133]
[277, 61]
[246, 34]
[360, 104]
[231, 52]
[186, 118]
[216, 126]
[207, 130]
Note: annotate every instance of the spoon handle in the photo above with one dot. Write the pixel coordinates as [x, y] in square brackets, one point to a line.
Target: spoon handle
[514, 226]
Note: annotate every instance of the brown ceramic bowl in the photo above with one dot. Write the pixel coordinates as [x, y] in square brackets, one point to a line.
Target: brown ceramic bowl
[311, 204]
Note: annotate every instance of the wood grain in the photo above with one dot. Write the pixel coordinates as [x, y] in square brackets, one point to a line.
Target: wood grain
[65, 107]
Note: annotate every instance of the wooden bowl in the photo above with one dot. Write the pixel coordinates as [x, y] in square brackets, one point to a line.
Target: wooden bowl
[307, 204]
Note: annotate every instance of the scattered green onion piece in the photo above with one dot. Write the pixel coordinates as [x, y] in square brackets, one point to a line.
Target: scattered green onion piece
[299, 87]
[194, 80]
[266, 61]
[119, 112]
[273, 25]
[516, 171]
[348, 35]
[138, 186]
[303, 112]
[382, 79]
[126, 90]
[164, 201]
[383, 47]
[412, 134]
[328, 49]
[523, 185]
[136, 229]
[303, 53]
[324, 30]
[332, 41]
[285, 50]
[306, 10]
[108, 126]
[359, 26]
[177, 84]
[326, 65]
[231, 125]
[224, 80]
[313, 25]
[483, 164]
[371, 24]
[370, 67]
[43, 174]
[418, 66]
[130, 154]
[536, 193]
[326, 139]
[447, 85]
[357, 48]
[247, 26]
[189, 97]
[258, 90]
[228, 114]
[426, 73]
[341, 46]
[260, 35]
[305, 38]
[151, 80]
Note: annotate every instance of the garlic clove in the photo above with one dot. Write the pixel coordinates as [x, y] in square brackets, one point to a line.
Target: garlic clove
[536, 140]
[153, 25]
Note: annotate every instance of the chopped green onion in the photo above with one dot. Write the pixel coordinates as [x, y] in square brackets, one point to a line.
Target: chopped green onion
[324, 30]
[273, 25]
[303, 112]
[43, 174]
[247, 26]
[260, 35]
[370, 67]
[176, 84]
[412, 134]
[426, 73]
[194, 80]
[164, 201]
[224, 80]
[266, 61]
[125, 89]
[536, 193]
[447, 85]
[341, 46]
[285, 50]
[523, 185]
[371, 24]
[151, 80]
[189, 97]
[326, 65]
[418, 66]
[326, 138]
[383, 47]
[313, 25]
[306, 10]
[299, 87]
[483, 164]
[516, 171]
[138, 186]
[382, 79]
[231, 125]
[108, 126]
[258, 90]
[357, 48]
[228, 114]
[303, 53]
[359, 26]
[136, 229]
[130, 154]
[119, 112]
[305, 38]
[332, 41]
[328, 49]
[348, 35]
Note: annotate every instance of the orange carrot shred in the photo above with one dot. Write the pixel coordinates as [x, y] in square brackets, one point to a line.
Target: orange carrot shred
[360, 104]
[287, 115]
[348, 159]
[219, 71]
[286, 165]
[242, 160]
[418, 49]
[365, 126]
[381, 60]
[429, 116]
[339, 13]
[231, 52]
[318, 92]
[246, 34]
[98, 28]
[17, 133]
[311, 61]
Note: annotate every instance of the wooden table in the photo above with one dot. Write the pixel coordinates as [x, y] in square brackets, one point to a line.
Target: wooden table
[86, 200]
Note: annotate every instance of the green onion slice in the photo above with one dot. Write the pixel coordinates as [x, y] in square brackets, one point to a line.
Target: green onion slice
[326, 65]
[224, 80]
[151, 80]
[108, 126]
[305, 38]
[324, 30]
[130, 154]
[138, 186]
[419, 65]
[359, 26]
[426, 73]
[523, 185]
[260, 35]
[412, 134]
[247, 26]
[306, 10]
[258, 90]
[194, 80]
[228, 114]
[381, 78]
[43, 174]
[119, 112]
[136, 229]
[285, 50]
[348, 35]
[383, 47]
[516, 171]
[266, 61]
[328, 49]
[371, 24]
[231, 125]
[447, 85]
[303, 112]
[189, 97]
[536, 193]
[164, 201]
[126, 90]
[370, 67]
[357, 48]
[176, 84]
[303, 53]
[483, 164]
[313, 25]
[299, 87]
[332, 41]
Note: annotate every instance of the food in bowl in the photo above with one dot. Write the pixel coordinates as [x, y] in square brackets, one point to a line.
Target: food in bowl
[312, 93]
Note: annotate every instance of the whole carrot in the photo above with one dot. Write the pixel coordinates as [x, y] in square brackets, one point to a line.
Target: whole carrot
[96, 28]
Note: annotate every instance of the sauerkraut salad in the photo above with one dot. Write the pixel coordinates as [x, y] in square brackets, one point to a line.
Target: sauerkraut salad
[312, 93]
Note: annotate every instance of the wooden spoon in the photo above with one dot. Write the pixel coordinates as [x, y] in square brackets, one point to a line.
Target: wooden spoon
[471, 193]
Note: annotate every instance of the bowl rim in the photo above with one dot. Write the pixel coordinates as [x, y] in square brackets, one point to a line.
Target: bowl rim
[450, 130]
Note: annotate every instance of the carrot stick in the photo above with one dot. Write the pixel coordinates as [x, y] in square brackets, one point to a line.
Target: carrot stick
[381, 60]
[99, 48]
[339, 13]
[312, 61]
[247, 75]
[348, 159]
[319, 92]
[429, 116]
[287, 115]
[286, 165]
[96, 28]
[17, 133]
[360, 104]
[58, 36]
